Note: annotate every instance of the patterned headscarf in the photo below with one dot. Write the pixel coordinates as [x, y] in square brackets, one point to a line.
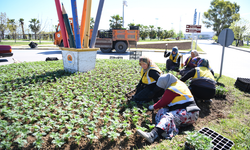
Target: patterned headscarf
[147, 61]
[174, 49]
[195, 60]
[203, 63]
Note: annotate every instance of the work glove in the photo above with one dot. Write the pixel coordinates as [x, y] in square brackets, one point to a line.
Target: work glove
[151, 107]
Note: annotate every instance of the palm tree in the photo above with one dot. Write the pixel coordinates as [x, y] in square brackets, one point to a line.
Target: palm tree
[92, 23]
[22, 23]
[116, 22]
[34, 26]
[152, 32]
[3, 24]
[12, 27]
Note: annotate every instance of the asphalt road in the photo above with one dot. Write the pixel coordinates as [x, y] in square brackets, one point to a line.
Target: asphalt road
[235, 64]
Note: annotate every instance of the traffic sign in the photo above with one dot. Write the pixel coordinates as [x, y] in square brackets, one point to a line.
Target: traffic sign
[226, 37]
[193, 28]
[195, 15]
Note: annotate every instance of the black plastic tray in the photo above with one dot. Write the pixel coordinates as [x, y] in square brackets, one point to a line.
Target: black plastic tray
[243, 84]
[219, 142]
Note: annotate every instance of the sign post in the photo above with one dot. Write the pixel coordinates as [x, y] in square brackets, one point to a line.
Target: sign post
[226, 38]
[193, 29]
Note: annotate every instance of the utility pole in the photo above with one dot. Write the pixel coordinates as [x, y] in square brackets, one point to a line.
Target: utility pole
[124, 4]
[197, 33]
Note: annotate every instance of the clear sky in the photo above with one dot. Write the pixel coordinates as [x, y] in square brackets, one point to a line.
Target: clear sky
[166, 14]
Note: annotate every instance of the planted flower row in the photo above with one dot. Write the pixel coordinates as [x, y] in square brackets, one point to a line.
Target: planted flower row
[41, 100]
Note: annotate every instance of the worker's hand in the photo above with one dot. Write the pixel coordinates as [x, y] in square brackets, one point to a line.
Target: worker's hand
[151, 107]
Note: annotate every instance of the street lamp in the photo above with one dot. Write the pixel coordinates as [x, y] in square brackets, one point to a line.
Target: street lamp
[124, 4]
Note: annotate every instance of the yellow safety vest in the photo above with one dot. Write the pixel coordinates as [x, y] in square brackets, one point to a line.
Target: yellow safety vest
[175, 59]
[189, 58]
[185, 95]
[203, 72]
[146, 79]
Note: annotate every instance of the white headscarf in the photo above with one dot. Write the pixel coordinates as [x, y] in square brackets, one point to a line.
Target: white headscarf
[164, 81]
[195, 53]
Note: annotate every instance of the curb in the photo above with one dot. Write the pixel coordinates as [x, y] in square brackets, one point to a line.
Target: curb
[57, 48]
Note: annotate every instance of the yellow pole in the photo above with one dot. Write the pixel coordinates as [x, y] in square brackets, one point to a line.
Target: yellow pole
[83, 22]
[87, 25]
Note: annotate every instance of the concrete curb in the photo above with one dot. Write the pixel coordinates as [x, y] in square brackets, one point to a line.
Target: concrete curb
[57, 48]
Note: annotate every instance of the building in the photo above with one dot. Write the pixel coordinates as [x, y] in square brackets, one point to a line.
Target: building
[202, 35]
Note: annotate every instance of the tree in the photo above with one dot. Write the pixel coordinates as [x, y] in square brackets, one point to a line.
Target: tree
[159, 33]
[3, 25]
[220, 15]
[21, 24]
[116, 22]
[180, 35]
[240, 28]
[171, 33]
[144, 31]
[34, 26]
[92, 23]
[11, 24]
[152, 33]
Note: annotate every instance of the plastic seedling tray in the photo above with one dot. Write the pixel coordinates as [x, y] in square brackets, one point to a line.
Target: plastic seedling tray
[219, 142]
[243, 84]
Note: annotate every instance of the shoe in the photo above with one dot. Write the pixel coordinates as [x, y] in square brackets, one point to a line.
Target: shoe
[209, 101]
[150, 137]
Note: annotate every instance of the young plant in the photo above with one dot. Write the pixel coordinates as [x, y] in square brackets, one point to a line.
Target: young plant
[104, 132]
[58, 142]
[141, 128]
[113, 135]
[151, 126]
[198, 141]
[128, 133]
[92, 137]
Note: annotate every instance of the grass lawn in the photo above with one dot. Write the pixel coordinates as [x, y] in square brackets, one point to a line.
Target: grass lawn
[41, 106]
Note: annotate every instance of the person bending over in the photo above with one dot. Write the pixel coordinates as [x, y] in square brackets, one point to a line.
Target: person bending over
[181, 109]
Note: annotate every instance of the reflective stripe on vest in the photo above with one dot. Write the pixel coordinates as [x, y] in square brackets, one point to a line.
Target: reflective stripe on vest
[185, 95]
[189, 58]
[175, 59]
[203, 73]
[146, 79]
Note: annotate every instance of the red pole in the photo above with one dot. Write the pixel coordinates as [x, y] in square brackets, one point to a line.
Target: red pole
[62, 25]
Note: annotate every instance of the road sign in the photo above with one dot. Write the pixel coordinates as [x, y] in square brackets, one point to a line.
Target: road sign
[226, 37]
[193, 28]
[195, 14]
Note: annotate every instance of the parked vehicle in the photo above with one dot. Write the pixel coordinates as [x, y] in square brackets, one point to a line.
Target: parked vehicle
[5, 51]
[107, 40]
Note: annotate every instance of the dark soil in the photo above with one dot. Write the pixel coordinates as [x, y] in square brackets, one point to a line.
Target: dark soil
[209, 112]
[180, 45]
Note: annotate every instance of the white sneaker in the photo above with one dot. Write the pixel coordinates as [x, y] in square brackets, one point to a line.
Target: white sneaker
[150, 137]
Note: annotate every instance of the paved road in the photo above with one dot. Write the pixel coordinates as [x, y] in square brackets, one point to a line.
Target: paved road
[236, 60]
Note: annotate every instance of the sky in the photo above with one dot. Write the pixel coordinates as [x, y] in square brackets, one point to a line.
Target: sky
[167, 14]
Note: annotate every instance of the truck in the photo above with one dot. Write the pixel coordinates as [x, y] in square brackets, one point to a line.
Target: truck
[107, 40]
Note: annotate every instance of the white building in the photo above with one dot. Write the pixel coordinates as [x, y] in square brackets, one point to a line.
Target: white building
[202, 35]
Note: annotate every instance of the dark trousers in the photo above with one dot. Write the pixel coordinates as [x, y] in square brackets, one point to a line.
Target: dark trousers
[142, 94]
[185, 70]
[202, 93]
[170, 65]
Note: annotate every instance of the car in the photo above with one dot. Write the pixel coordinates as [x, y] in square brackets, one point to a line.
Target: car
[5, 51]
